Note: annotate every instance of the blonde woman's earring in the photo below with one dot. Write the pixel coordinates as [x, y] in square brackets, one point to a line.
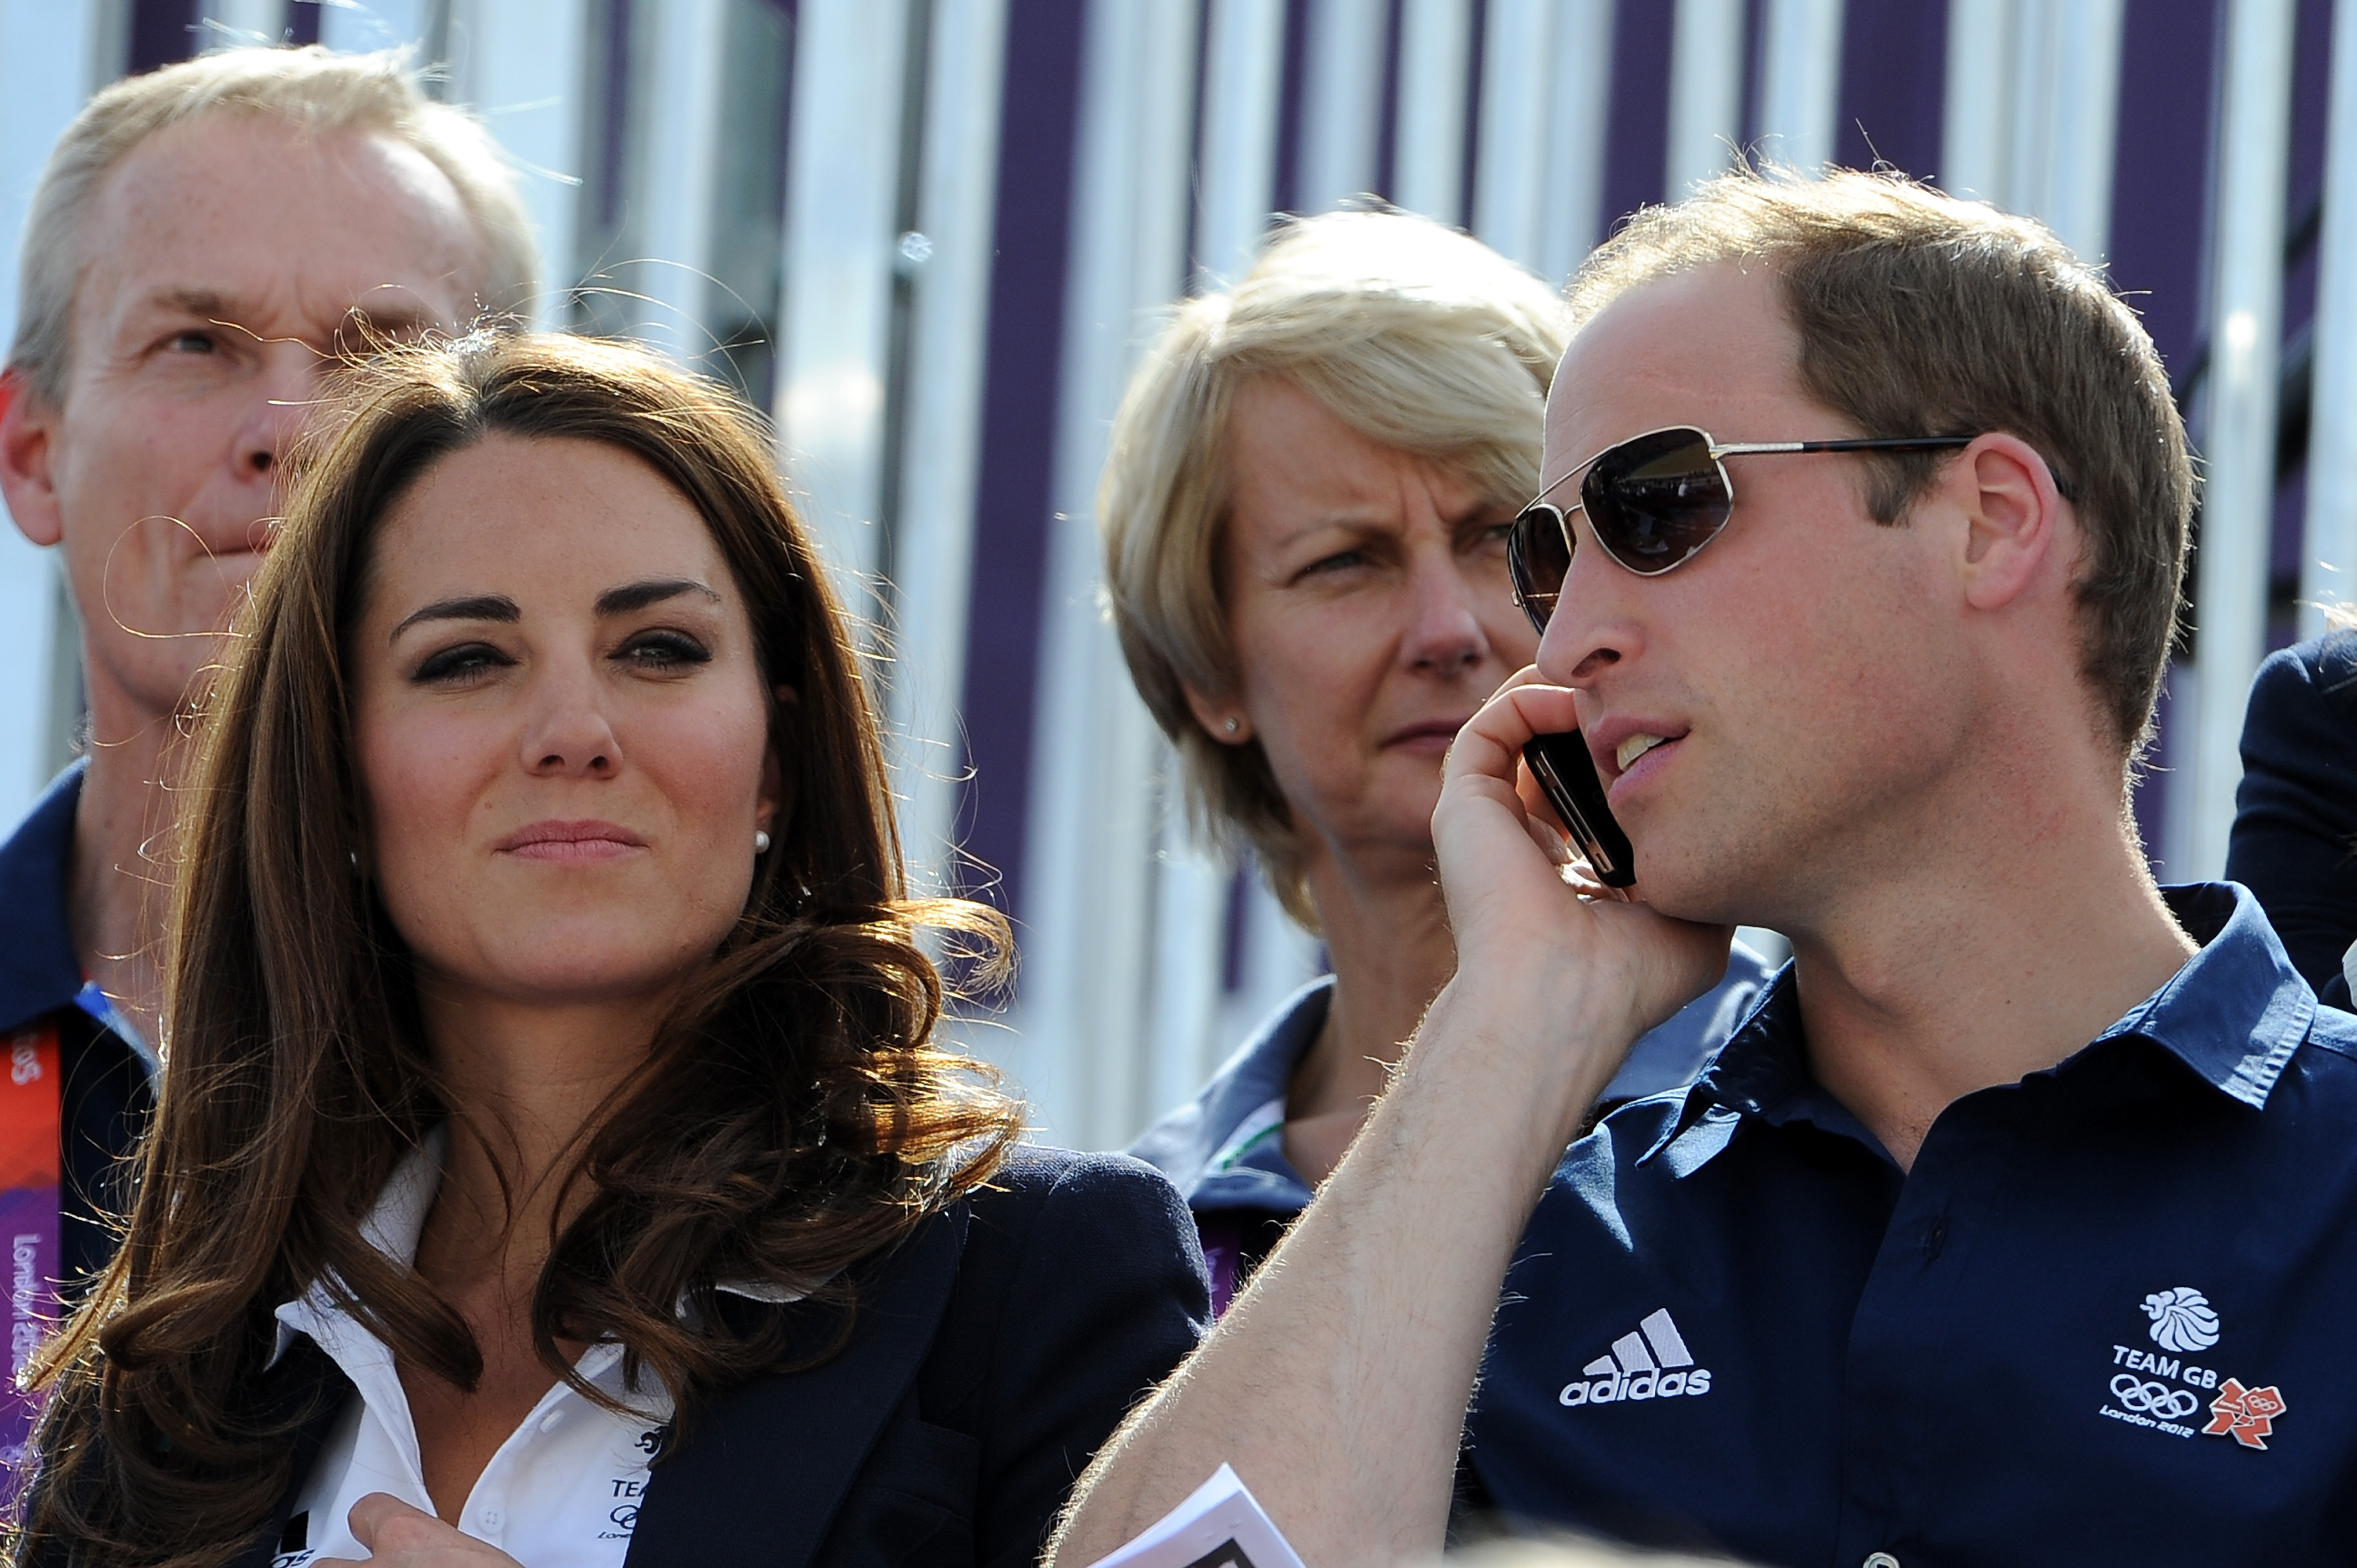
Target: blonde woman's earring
[760, 841]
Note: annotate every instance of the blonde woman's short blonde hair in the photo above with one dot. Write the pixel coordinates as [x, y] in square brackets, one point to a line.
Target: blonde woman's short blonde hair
[1413, 335]
[309, 89]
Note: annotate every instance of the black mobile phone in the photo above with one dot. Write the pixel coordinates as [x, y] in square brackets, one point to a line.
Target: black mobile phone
[1565, 770]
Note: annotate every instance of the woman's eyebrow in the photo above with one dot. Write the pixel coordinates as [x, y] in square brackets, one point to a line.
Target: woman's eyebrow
[477, 606]
[654, 591]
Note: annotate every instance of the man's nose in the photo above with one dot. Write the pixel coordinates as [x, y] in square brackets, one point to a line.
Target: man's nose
[1595, 624]
[282, 398]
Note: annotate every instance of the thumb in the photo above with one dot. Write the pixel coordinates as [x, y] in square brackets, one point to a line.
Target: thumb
[383, 1523]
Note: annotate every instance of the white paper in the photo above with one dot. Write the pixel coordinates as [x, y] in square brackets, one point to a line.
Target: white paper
[1218, 1526]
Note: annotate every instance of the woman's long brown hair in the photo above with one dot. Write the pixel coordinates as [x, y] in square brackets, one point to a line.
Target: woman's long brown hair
[791, 1118]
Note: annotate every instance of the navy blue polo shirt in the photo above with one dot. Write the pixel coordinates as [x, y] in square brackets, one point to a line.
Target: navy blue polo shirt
[2110, 1315]
[108, 1090]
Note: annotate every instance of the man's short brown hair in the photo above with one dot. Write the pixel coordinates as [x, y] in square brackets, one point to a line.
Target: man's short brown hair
[1922, 315]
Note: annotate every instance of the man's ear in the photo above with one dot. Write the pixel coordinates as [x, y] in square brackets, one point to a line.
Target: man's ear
[1222, 718]
[27, 445]
[2019, 529]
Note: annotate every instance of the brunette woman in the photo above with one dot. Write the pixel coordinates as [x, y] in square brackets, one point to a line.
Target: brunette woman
[553, 1165]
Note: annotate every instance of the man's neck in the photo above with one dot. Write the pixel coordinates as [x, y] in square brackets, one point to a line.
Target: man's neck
[1960, 971]
[117, 892]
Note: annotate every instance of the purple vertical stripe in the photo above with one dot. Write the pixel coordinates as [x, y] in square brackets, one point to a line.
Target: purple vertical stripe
[2160, 189]
[303, 22]
[1477, 49]
[162, 31]
[1894, 80]
[2160, 180]
[1636, 131]
[1387, 123]
[1285, 193]
[1755, 57]
[1031, 245]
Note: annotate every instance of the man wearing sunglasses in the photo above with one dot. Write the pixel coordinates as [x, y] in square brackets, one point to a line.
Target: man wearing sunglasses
[2017, 1225]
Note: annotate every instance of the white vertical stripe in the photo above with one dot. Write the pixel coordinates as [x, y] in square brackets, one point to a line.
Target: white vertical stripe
[1243, 71]
[1184, 1023]
[681, 127]
[933, 552]
[356, 26]
[520, 65]
[842, 188]
[2084, 43]
[1510, 177]
[2328, 565]
[233, 24]
[1093, 808]
[1572, 215]
[1706, 92]
[1428, 155]
[2230, 609]
[1343, 102]
[44, 50]
[1975, 147]
[1799, 85]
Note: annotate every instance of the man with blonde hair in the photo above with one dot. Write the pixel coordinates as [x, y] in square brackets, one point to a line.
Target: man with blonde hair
[2018, 1224]
[204, 242]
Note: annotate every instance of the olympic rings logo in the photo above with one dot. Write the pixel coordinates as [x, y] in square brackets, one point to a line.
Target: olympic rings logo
[2157, 1399]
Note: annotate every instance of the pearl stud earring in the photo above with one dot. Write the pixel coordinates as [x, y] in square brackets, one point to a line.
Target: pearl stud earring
[760, 841]
[1234, 724]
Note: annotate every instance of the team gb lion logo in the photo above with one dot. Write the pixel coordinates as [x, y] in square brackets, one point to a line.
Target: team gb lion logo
[2182, 1319]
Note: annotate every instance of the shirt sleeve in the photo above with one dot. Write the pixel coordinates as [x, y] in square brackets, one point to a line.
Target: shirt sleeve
[2295, 838]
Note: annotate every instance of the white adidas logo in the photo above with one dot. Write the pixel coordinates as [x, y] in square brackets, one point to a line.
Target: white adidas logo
[1651, 1361]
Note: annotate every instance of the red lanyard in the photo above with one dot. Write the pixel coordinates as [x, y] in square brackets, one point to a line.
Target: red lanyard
[31, 1104]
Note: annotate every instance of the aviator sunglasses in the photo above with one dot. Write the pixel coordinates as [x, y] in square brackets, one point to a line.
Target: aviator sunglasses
[1653, 502]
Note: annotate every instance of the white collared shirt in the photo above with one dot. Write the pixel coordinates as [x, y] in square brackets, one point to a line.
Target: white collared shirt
[563, 1491]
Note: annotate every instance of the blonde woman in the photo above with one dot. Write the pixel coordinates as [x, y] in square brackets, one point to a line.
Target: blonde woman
[1305, 518]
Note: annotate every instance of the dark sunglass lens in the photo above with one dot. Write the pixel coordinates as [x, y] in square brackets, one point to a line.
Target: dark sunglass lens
[1538, 555]
[1657, 499]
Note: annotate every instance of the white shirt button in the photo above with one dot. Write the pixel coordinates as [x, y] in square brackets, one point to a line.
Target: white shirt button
[489, 1518]
[1880, 1560]
[548, 1423]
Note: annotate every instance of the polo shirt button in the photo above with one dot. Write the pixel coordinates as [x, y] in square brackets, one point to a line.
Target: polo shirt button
[1880, 1560]
[489, 1519]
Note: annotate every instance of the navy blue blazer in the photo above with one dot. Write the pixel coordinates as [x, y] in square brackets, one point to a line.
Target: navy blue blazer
[108, 1092]
[2295, 838]
[991, 1354]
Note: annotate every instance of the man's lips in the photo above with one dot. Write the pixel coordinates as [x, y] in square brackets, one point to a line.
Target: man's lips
[586, 838]
[1627, 750]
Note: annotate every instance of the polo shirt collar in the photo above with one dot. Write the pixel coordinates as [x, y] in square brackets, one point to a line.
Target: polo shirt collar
[2233, 1013]
[1226, 1148]
[38, 970]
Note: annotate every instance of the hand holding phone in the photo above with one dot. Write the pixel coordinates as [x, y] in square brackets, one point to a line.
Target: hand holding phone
[1567, 774]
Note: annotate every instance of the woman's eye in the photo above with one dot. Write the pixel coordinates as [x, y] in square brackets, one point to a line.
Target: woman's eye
[665, 650]
[191, 343]
[458, 666]
[1341, 561]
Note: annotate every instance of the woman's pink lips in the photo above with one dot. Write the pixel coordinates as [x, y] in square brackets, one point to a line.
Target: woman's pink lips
[572, 842]
[1436, 736]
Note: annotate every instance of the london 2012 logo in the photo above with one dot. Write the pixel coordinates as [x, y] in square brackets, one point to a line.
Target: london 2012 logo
[2182, 1320]
[2164, 1390]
